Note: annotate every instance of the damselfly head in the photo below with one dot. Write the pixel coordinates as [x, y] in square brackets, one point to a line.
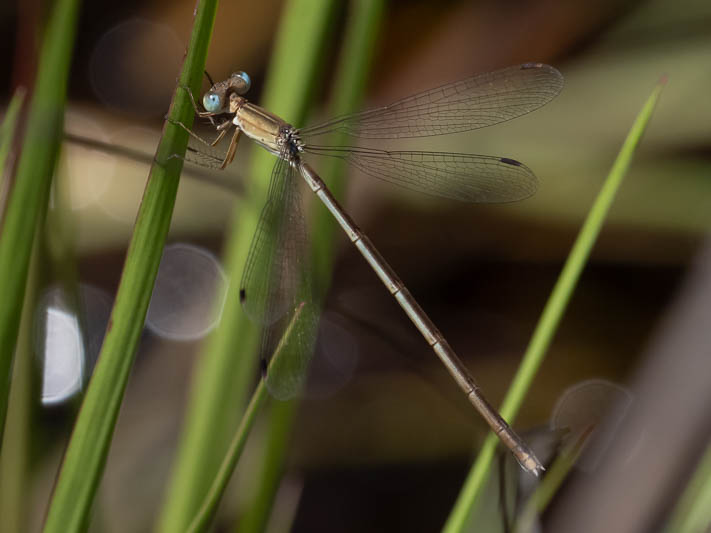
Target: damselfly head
[217, 99]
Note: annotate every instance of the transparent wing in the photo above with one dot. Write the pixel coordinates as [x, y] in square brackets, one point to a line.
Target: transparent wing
[482, 100]
[463, 177]
[200, 156]
[275, 289]
[204, 155]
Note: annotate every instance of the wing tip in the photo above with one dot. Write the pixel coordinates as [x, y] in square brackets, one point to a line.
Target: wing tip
[554, 72]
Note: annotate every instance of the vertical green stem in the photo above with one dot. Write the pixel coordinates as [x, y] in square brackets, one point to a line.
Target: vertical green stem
[227, 366]
[8, 128]
[14, 460]
[27, 204]
[351, 78]
[287, 93]
[88, 448]
[693, 510]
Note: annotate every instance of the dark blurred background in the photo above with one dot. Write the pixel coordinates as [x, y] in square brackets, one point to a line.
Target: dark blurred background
[385, 440]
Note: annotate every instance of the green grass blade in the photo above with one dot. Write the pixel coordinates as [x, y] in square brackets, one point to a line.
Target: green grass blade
[349, 87]
[552, 313]
[217, 489]
[216, 492]
[693, 512]
[88, 447]
[281, 419]
[7, 134]
[27, 204]
[228, 364]
[15, 471]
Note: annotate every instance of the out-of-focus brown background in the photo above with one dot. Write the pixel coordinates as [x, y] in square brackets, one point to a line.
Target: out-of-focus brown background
[386, 440]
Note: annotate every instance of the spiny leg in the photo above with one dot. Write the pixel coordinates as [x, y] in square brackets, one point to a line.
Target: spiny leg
[222, 128]
[232, 149]
[222, 134]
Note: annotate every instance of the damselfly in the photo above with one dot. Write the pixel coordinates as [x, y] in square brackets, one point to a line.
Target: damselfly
[275, 281]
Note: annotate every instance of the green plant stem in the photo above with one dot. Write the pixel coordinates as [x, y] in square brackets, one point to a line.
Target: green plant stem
[14, 460]
[349, 86]
[550, 318]
[217, 489]
[27, 203]
[8, 129]
[85, 457]
[224, 372]
[280, 422]
[693, 511]
[227, 365]
[298, 73]
[207, 510]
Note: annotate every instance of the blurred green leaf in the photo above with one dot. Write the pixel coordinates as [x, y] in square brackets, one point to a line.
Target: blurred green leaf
[234, 452]
[7, 133]
[227, 365]
[693, 511]
[27, 203]
[15, 459]
[349, 86]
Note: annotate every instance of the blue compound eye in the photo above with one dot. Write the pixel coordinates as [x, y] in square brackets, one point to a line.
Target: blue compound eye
[244, 81]
[211, 102]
